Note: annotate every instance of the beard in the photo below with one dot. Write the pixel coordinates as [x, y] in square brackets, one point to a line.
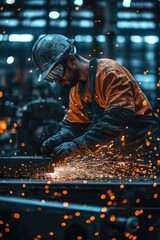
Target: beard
[74, 79]
[71, 80]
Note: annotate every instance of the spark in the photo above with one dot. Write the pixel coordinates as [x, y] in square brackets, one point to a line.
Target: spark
[102, 164]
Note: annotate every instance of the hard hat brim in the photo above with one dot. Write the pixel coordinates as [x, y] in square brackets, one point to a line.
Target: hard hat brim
[45, 73]
[62, 55]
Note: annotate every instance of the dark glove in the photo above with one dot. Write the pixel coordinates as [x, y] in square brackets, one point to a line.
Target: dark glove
[49, 145]
[65, 149]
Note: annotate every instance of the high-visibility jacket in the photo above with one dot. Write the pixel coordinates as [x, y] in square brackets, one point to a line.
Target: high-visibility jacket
[127, 118]
[115, 87]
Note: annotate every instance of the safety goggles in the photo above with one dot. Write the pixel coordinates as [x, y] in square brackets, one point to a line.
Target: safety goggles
[56, 73]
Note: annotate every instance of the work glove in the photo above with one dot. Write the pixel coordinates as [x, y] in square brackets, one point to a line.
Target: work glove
[65, 149]
[49, 144]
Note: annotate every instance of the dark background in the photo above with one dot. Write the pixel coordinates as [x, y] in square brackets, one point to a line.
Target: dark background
[124, 30]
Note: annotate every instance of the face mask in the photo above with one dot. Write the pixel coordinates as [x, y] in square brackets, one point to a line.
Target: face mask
[56, 74]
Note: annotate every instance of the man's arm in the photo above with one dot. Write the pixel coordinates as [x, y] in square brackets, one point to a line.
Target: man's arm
[67, 132]
[118, 115]
[113, 123]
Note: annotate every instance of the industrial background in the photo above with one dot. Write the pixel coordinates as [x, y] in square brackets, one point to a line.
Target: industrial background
[33, 207]
[124, 30]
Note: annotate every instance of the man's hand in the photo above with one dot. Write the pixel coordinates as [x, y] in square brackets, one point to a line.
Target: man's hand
[65, 149]
[49, 145]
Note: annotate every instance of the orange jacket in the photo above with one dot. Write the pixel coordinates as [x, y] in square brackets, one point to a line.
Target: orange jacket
[114, 87]
[127, 114]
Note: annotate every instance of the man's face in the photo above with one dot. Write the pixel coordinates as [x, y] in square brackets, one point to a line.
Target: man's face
[70, 76]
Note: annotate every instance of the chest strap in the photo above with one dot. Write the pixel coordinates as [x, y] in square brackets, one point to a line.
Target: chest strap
[92, 109]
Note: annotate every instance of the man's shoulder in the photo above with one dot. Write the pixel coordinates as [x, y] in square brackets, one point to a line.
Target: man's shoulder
[108, 64]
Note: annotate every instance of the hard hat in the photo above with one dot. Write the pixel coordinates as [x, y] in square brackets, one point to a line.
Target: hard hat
[49, 50]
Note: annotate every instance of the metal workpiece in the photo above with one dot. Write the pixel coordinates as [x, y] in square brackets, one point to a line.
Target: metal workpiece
[108, 209]
[25, 166]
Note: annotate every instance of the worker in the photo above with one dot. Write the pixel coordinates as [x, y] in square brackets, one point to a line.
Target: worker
[106, 104]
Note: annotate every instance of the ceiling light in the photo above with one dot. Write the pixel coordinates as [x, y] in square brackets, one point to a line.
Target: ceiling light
[20, 38]
[10, 1]
[78, 2]
[54, 15]
[10, 60]
[151, 39]
[126, 3]
[136, 39]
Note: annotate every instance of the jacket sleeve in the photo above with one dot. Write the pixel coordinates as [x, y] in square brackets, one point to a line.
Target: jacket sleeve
[68, 131]
[118, 94]
[119, 113]
[114, 122]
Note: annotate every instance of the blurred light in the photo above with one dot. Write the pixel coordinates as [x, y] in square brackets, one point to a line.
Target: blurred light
[120, 60]
[82, 23]
[34, 2]
[143, 4]
[85, 23]
[3, 125]
[121, 39]
[38, 23]
[7, 14]
[20, 38]
[28, 13]
[10, 60]
[10, 1]
[5, 37]
[149, 56]
[1, 94]
[136, 62]
[101, 38]
[126, 3]
[78, 2]
[151, 39]
[64, 14]
[54, 15]
[136, 39]
[83, 38]
[11, 22]
[148, 82]
[136, 24]
[129, 15]
[83, 14]
[59, 23]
